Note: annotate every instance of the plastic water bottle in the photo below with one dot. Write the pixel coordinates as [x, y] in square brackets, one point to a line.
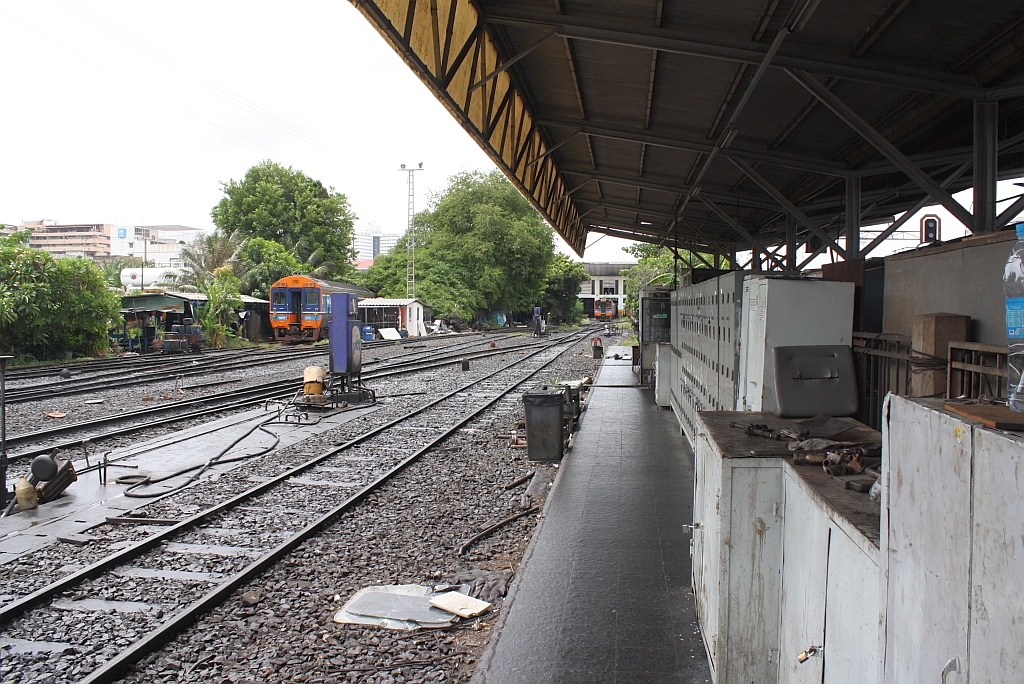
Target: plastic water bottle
[1013, 290]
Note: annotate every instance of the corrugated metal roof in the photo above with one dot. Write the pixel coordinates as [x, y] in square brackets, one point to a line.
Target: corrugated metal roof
[607, 110]
[381, 301]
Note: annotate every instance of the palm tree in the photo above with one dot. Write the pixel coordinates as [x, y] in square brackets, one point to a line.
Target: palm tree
[112, 269]
[205, 255]
[315, 259]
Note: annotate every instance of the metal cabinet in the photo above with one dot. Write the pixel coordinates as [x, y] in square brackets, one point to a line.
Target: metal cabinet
[737, 546]
[780, 312]
[724, 330]
[783, 560]
[829, 587]
[952, 550]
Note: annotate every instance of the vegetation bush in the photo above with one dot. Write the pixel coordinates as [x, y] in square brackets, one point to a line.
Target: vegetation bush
[49, 307]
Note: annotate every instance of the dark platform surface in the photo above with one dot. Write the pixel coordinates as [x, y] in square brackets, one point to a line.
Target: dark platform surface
[605, 594]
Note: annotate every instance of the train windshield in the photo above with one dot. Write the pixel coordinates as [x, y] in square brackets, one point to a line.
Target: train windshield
[312, 300]
[278, 298]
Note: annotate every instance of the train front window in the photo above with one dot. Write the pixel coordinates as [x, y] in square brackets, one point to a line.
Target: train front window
[279, 298]
[312, 300]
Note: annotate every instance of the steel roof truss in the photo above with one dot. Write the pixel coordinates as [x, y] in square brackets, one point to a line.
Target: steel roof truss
[1010, 213]
[508, 63]
[867, 71]
[786, 204]
[695, 144]
[754, 242]
[878, 141]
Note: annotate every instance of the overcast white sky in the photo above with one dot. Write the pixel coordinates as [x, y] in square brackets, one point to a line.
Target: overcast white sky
[134, 112]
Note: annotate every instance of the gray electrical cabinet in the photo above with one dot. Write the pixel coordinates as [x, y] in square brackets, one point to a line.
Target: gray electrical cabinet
[725, 329]
[655, 322]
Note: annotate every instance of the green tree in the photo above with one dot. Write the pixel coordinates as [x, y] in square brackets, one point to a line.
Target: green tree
[480, 248]
[49, 307]
[561, 294]
[222, 299]
[203, 256]
[260, 263]
[286, 206]
[655, 266]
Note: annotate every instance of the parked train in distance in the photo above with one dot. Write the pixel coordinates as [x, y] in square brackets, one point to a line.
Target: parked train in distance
[605, 309]
[300, 307]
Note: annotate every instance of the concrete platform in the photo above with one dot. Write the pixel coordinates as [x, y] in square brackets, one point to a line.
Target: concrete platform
[604, 591]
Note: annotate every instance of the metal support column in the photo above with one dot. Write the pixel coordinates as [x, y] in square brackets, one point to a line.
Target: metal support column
[852, 218]
[790, 243]
[985, 165]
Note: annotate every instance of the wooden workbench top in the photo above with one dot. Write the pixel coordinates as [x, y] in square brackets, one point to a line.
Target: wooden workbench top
[856, 507]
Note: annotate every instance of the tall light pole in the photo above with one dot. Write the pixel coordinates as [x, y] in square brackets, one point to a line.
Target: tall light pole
[410, 237]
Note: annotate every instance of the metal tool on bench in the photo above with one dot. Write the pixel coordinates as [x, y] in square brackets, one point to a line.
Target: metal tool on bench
[755, 430]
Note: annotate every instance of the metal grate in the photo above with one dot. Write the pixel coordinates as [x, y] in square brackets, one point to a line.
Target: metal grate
[883, 363]
[976, 370]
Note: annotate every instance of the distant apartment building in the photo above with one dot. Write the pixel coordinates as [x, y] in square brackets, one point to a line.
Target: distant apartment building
[159, 244]
[89, 240]
[372, 242]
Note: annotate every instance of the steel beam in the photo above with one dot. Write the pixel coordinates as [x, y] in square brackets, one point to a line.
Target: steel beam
[854, 121]
[755, 244]
[747, 52]
[852, 218]
[615, 232]
[896, 225]
[628, 229]
[506, 65]
[1010, 213]
[697, 144]
[720, 194]
[787, 205]
[790, 243]
[986, 159]
[635, 209]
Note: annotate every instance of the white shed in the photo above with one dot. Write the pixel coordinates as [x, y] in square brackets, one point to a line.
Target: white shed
[401, 314]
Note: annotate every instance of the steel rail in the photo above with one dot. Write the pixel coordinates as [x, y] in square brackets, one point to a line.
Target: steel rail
[14, 609]
[34, 393]
[257, 394]
[113, 669]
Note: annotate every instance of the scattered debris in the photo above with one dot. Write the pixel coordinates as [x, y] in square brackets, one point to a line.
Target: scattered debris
[64, 374]
[25, 495]
[469, 542]
[515, 483]
[486, 585]
[55, 414]
[460, 604]
[94, 401]
[77, 539]
[402, 606]
[250, 598]
[536, 489]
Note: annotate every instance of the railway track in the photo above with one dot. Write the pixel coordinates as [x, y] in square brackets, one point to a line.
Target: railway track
[153, 360]
[247, 397]
[261, 526]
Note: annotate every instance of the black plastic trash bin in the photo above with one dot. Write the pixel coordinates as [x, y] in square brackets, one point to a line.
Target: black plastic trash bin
[544, 424]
